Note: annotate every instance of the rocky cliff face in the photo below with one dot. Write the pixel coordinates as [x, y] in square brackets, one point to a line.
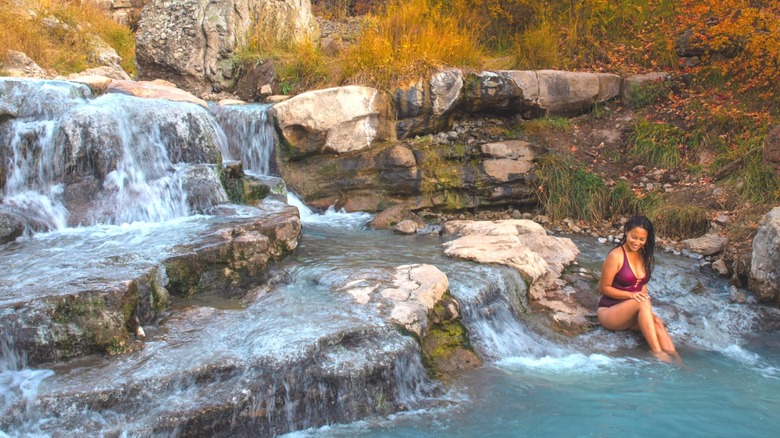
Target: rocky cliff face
[191, 42]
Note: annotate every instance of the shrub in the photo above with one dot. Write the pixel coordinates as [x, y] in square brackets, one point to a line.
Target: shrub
[66, 43]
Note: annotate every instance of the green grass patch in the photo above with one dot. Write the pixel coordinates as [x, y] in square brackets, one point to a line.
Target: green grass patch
[624, 201]
[678, 219]
[642, 95]
[555, 124]
[568, 189]
[658, 144]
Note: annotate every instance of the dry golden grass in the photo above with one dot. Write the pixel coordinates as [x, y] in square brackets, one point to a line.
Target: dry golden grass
[56, 34]
[407, 38]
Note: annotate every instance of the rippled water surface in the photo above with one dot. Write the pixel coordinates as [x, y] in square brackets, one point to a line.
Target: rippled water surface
[597, 384]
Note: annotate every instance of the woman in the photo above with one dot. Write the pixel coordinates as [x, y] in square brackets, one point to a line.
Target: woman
[625, 303]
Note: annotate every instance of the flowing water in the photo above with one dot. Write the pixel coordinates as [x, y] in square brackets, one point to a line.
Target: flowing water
[210, 354]
[597, 384]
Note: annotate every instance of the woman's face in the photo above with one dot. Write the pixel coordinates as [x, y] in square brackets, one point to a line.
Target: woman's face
[636, 238]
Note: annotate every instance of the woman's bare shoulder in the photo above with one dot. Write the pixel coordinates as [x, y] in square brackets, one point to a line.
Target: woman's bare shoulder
[616, 255]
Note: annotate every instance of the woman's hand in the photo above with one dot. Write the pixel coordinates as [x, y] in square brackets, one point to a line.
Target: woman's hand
[640, 296]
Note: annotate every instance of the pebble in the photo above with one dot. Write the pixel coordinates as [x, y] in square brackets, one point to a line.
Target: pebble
[602, 240]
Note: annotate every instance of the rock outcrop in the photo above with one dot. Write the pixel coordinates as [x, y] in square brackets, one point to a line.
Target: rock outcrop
[431, 104]
[192, 42]
[84, 317]
[764, 277]
[333, 120]
[405, 296]
[539, 258]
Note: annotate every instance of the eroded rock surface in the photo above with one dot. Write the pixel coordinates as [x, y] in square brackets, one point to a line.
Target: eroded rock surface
[191, 42]
[539, 258]
[333, 120]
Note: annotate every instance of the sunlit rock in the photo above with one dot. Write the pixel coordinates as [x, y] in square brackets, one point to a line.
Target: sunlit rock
[333, 120]
[193, 42]
[706, 245]
[539, 258]
[18, 64]
[424, 105]
[151, 90]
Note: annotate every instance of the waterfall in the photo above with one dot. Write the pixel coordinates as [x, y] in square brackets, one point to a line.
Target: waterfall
[250, 136]
[111, 160]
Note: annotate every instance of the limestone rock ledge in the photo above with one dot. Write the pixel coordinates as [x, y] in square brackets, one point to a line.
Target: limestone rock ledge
[65, 318]
[539, 258]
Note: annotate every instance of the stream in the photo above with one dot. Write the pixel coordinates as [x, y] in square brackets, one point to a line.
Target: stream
[596, 384]
[294, 353]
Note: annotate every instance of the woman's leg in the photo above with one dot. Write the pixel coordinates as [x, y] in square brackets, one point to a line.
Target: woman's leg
[632, 314]
[663, 336]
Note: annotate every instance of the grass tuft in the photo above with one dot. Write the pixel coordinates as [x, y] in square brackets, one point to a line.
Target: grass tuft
[658, 144]
[568, 189]
[678, 220]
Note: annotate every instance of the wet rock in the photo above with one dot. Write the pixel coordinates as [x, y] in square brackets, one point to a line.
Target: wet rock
[539, 258]
[406, 227]
[101, 315]
[232, 258]
[11, 227]
[707, 245]
[333, 120]
[392, 216]
[355, 371]
[719, 267]
[737, 296]
[430, 230]
[404, 295]
[764, 277]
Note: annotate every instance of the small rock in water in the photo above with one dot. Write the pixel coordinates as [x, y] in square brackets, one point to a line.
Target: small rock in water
[602, 240]
[140, 333]
[719, 266]
[406, 227]
[737, 296]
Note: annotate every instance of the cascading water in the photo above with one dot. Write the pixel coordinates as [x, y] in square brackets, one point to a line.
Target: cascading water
[250, 136]
[295, 354]
[110, 160]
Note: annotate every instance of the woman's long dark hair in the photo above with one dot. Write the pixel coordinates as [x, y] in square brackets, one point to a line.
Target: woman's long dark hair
[648, 250]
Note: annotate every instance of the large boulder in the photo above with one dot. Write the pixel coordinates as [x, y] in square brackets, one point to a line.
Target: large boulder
[333, 120]
[430, 104]
[192, 43]
[64, 313]
[539, 258]
[764, 277]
